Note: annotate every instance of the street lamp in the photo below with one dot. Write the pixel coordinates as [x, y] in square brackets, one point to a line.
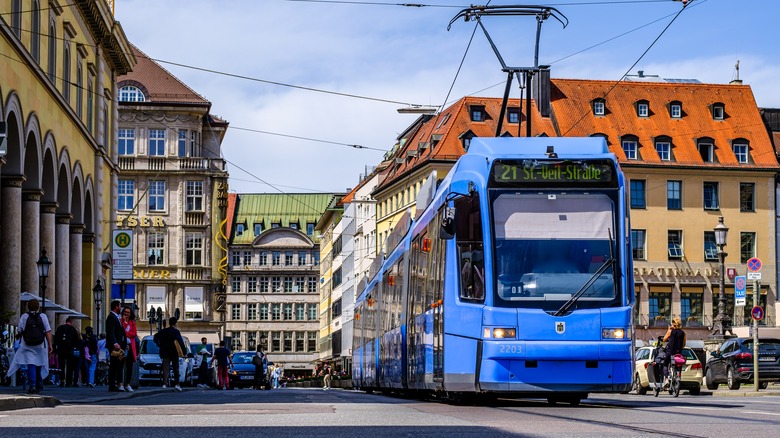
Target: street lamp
[97, 293]
[263, 339]
[43, 272]
[722, 321]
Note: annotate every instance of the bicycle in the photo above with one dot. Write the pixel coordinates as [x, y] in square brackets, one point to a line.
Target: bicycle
[676, 366]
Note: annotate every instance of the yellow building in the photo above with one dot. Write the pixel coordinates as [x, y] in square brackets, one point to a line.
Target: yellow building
[58, 112]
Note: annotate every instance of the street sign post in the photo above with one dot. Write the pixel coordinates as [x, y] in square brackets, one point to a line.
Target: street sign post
[757, 313]
[740, 291]
[122, 253]
[754, 264]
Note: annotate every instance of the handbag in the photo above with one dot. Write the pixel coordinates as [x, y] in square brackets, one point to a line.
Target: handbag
[118, 354]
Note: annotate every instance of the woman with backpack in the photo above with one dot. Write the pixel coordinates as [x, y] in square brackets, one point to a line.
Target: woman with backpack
[34, 333]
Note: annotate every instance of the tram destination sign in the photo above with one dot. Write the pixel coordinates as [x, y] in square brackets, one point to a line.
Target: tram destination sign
[555, 172]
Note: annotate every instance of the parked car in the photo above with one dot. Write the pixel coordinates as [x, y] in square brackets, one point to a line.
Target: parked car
[243, 372]
[691, 374]
[732, 363]
[150, 364]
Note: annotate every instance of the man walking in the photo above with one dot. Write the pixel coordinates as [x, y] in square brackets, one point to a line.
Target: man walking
[203, 355]
[222, 356]
[115, 341]
[166, 339]
[66, 340]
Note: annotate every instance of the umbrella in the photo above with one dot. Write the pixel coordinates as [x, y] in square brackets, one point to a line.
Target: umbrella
[73, 313]
[50, 305]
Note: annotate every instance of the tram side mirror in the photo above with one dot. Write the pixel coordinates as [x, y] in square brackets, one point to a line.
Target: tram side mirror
[448, 224]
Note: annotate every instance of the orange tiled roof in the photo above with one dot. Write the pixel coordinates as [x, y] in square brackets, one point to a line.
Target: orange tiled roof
[450, 124]
[159, 85]
[571, 104]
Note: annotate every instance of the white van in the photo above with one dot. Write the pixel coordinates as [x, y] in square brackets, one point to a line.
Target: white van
[150, 363]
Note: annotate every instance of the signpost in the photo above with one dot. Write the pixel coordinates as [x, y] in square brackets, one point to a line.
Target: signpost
[754, 266]
[122, 253]
[740, 291]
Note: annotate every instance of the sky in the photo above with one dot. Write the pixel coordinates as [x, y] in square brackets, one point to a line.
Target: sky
[321, 75]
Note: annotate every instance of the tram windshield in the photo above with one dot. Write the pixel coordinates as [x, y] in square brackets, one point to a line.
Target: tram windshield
[551, 247]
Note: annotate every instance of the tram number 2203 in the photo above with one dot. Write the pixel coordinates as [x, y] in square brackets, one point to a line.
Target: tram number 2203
[509, 348]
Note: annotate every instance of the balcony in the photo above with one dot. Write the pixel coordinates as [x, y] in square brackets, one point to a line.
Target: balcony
[192, 218]
[186, 164]
[193, 273]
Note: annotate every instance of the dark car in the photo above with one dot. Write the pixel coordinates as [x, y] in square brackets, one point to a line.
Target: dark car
[243, 372]
[732, 363]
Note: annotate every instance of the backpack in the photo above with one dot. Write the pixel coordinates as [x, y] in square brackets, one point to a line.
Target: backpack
[33, 330]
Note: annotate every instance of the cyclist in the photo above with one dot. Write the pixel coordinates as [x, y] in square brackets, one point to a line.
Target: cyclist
[675, 341]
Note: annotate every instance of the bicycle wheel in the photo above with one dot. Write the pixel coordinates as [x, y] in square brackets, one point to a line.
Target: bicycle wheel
[674, 388]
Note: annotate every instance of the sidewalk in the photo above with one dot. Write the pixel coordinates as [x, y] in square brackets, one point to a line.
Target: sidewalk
[14, 397]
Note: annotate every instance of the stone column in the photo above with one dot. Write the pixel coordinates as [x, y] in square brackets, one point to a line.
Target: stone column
[75, 276]
[90, 275]
[31, 236]
[11, 247]
[48, 212]
[62, 260]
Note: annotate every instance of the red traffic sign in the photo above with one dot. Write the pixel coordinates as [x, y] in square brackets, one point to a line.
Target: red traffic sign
[754, 264]
[757, 313]
[731, 272]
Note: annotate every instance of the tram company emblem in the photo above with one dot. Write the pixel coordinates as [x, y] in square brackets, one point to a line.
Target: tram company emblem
[560, 327]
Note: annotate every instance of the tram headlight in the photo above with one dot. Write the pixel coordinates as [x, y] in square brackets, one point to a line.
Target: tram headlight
[614, 333]
[499, 333]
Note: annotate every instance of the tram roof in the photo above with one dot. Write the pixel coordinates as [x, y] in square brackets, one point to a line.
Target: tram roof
[537, 147]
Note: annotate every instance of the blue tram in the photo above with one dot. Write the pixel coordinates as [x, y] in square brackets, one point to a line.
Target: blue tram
[514, 279]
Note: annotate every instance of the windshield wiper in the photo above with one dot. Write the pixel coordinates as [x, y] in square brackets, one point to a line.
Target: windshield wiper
[607, 264]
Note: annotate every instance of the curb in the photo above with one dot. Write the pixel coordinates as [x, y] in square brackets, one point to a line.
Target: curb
[24, 402]
[113, 396]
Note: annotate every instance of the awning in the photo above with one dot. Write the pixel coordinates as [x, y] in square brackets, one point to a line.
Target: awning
[73, 313]
[51, 306]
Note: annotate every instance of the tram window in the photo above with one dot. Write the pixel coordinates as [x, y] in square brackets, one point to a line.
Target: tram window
[468, 224]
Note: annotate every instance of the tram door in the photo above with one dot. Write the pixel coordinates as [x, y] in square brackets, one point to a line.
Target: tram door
[437, 308]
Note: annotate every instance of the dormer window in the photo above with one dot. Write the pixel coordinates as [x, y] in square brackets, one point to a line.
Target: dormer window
[513, 115]
[675, 110]
[706, 150]
[741, 151]
[465, 139]
[599, 107]
[664, 148]
[443, 120]
[478, 114]
[240, 229]
[630, 148]
[718, 111]
[643, 108]
[130, 93]
[258, 229]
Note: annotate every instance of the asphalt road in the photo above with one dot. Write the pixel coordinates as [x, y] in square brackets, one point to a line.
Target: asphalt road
[297, 412]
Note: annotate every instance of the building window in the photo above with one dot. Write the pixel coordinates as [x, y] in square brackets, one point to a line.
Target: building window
[90, 101]
[126, 144]
[288, 340]
[710, 248]
[125, 194]
[706, 152]
[276, 341]
[293, 225]
[264, 311]
[337, 277]
[691, 309]
[599, 107]
[251, 285]
[741, 152]
[477, 113]
[638, 193]
[157, 142]
[194, 196]
[288, 311]
[711, 196]
[300, 312]
[288, 284]
[513, 116]
[664, 149]
[311, 312]
[300, 341]
[235, 284]
[156, 195]
[643, 109]
[638, 244]
[235, 312]
[263, 258]
[718, 111]
[235, 259]
[298, 288]
[155, 244]
[251, 340]
[239, 229]
[258, 228]
[52, 70]
[747, 197]
[264, 284]
[675, 110]
[674, 195]
[312, 285]
[302, 258]
[310, 230]
[276, 284]
[675, 244]
[16, 16]
[276, 258]
[276, 312]
[747, 248]
[130, 93]
[247, 258]
[182, 142]
[288, 258]
[80, 86]
[251, 312]
[311, 342]
[630, 149]
[66, 69]
[193, 249]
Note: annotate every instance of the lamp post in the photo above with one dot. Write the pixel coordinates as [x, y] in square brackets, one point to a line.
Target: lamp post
[43, 272]
[263, 345]
[97, 294]
[722, 321]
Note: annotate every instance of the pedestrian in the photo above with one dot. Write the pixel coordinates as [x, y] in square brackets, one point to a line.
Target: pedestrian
[260, 363]
[116, 343]
[167, 340]
[675, 341]
[101, 374]
[326, 379]
[66, 345]
[131, 354]
[222, 356]
[203, 354]
[275, 377]
[91, 342]
[35, 346]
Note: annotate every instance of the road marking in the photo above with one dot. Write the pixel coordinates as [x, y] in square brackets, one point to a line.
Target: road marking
[761, 412]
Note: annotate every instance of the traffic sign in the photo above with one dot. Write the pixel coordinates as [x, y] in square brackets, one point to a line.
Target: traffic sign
[740, 291]
[754, 276]
[754, 264]
[757, 313]
[731, 272]
[122, 254]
